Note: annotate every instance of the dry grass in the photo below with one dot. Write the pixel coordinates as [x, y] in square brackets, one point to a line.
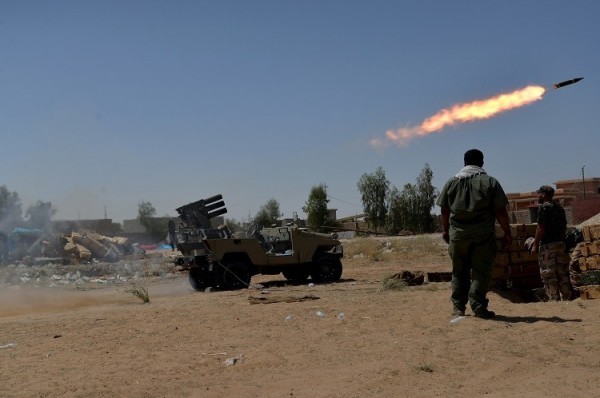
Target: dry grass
[416, 247]
[140, 291]
[391, 282]
[426, 368]
[395, 248]
[369, 248]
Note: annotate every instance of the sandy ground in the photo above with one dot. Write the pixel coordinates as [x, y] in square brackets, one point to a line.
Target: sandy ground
[347, 339]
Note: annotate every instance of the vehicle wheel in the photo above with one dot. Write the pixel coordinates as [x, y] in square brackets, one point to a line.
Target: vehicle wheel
[296, 274]
[327, 269]
[254, 228]
[235, 276]
[195, 279]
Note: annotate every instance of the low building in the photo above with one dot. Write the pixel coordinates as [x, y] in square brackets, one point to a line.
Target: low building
[103, 226]
[580, 199]
[136, 232]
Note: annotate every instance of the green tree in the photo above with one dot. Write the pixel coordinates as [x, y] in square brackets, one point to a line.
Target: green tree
[427, 194]
[233, 224]
[145, 212]
[39, 214]
[268, 214]
[374, 190]
[316, 208]
[414, 204]
[10, 209]
[157, 228]
[394, 217]
[115, 228]
[408, 208]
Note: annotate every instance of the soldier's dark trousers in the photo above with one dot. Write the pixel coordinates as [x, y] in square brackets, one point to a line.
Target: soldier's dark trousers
[472, 262]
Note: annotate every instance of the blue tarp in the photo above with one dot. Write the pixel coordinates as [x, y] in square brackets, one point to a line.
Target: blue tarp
[35, 232]
[19, 232]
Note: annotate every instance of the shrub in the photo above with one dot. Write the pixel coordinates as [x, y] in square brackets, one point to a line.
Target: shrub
[140, 291]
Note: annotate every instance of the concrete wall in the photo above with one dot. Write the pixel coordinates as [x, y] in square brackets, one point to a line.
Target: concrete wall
[520, 217]
[103, 226]
[584, 209]
[530, 217]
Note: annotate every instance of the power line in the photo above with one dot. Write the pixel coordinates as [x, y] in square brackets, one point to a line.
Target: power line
[343, 201]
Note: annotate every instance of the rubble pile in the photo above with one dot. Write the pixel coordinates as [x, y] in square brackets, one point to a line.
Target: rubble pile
[87, 245]
[76, 247]
[585, 263]
[85, 276]
[81, 259]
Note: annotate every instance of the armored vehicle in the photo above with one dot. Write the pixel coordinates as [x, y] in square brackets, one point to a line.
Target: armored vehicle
[218, 259]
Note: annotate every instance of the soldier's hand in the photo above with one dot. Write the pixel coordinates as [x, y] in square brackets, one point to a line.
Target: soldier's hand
[446, 237]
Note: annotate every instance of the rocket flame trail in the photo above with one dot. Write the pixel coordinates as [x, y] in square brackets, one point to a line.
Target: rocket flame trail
[463, 113]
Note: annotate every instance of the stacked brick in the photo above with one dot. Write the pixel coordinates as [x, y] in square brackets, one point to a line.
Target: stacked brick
[516, 268]
[586, 263]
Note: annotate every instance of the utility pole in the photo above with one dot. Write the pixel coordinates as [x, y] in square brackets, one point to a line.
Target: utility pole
[583, 179]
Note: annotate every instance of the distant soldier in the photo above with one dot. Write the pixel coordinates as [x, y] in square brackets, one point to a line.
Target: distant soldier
[172, 234]
[3, 248]
[549, 243]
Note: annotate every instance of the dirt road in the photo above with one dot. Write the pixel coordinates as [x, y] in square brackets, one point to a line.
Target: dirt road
[347, 339]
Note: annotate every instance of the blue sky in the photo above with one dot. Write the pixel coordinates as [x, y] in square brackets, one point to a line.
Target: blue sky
[104, 104]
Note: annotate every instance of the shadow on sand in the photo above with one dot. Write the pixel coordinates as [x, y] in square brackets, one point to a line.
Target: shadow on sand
[280, 283]
[532, 319]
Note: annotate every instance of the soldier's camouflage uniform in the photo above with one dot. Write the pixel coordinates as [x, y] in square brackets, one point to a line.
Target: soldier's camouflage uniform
[574, 267]
[554, 270]
[552, 258]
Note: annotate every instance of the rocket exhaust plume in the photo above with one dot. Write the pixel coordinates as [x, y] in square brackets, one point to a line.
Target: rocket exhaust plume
[463, 113]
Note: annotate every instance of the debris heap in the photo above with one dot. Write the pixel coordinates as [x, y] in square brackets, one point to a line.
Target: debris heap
[80, 246]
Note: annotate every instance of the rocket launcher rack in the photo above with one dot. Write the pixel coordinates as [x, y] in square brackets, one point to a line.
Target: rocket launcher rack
[198, 214]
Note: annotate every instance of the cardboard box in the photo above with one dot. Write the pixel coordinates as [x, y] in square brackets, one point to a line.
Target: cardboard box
[518, 244]
[499, 272]
[502, 259]
[524, 230]
[518, 257]
[524, 276]
[590, 248]
[70, 248]
[591, 232]
[593, 248]
[589, 292]
[595, 232]
[592, 263]
[585, 249]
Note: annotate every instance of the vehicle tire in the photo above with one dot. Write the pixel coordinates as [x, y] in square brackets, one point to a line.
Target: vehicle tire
[195, 279]
[296, 274]
[253, 230]
[234, 276]
[327, 269]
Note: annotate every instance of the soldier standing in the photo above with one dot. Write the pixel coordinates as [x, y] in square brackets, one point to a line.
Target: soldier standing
[549, 243]
[471, 202]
